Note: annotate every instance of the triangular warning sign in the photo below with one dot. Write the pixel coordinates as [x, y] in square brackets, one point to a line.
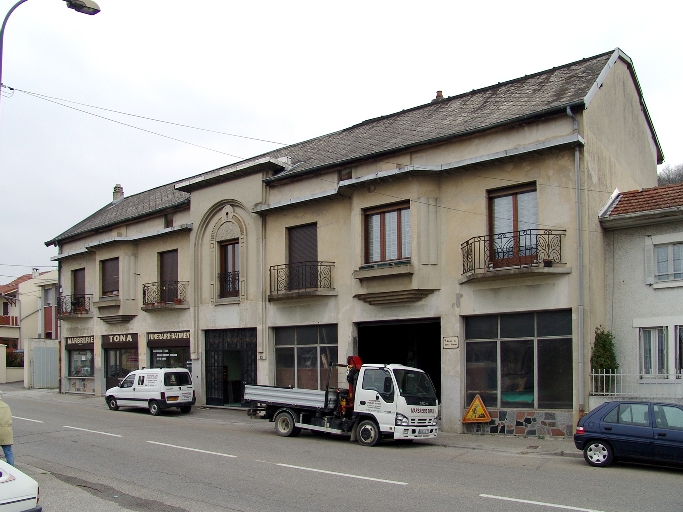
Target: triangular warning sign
[477, 412]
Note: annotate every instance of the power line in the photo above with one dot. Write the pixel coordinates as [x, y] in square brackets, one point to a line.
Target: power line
[48, 98]
[27, 266]
[135, 127]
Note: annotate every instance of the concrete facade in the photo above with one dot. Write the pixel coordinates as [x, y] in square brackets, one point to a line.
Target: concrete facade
[445, 188]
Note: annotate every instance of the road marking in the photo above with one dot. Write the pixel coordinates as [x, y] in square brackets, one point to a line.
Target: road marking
[541, 503]
[193, 449]
[344, 474]
[26, 419]
[92, 431]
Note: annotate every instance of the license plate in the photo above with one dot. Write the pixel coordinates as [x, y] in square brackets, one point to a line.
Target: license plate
[172, 399]
[187, 397]
[423, 431]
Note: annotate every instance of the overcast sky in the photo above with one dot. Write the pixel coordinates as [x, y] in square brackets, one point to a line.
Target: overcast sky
[280, 71]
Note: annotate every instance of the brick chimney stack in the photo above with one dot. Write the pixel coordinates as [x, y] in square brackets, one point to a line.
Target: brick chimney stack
[118, 192]
[439, 97]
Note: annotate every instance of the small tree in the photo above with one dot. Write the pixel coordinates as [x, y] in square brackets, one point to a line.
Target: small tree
[670, 175]
[604, 360]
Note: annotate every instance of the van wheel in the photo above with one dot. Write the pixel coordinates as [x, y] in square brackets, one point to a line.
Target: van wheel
[111, 402]
[154, 408]
[368, 433]
[284, 425]
[185, 409]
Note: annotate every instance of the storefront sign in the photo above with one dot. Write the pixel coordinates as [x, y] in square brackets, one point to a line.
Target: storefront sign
[168, 339]
[79, 343]
[127, 340]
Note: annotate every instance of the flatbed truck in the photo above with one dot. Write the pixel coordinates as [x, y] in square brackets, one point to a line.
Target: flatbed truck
[381, 401]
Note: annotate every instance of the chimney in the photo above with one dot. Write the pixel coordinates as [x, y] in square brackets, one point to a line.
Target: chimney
[35, 274]
[439, 96]
[118, 192]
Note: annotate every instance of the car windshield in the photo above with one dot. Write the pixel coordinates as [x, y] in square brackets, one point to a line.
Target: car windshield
[414, 383]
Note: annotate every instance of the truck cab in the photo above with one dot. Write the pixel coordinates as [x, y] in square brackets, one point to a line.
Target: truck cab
[398, 400]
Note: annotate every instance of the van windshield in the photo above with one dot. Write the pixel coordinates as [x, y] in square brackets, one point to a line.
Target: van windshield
[414, 384]
[177, 379]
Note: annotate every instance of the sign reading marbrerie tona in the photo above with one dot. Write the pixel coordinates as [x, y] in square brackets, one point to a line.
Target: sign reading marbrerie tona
[168, 339]
[79, 342]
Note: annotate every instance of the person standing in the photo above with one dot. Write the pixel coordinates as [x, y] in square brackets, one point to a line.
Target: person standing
[6, 436]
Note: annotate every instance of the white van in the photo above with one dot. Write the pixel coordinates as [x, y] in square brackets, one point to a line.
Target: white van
[154, 389]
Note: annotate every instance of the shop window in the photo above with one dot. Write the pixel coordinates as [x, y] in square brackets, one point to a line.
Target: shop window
[110, 277]
[81, 363]
[520, 360]
[229, 277]
[387, 233]
[653, 353]
[513, 220]
[305, 355]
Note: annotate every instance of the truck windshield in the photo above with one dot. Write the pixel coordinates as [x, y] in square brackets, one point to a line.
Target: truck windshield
[414, 384]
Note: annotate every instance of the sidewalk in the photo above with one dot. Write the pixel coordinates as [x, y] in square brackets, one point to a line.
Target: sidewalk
[560, 447]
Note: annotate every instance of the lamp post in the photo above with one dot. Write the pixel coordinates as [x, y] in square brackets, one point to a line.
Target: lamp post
[83, 6]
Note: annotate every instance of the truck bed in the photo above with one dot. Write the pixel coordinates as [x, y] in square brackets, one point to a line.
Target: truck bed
[293, 397]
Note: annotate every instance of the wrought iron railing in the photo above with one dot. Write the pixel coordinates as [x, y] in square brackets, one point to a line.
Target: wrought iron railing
[164, 292]
[305, 275]
[228, 285]
[616, 383]
[74, 304]
[515, 249]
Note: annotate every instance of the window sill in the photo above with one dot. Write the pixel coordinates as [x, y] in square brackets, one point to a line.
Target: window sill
[228, 300]
[165, 306]
[668, 284]
[507, 273]
[298, 294]
[69, 316]
[385, 269]
[107, 301]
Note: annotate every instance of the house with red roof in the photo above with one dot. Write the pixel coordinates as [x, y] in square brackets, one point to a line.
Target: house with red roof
[644, 292]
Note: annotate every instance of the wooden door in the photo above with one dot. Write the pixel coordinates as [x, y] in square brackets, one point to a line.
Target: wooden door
[303, 257]
[168, 275]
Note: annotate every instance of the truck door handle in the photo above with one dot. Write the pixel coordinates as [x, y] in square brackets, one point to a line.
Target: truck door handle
[376, 397]
[362, 402]
[662, 434]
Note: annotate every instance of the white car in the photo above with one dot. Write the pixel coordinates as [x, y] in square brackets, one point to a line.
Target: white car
[18, 492]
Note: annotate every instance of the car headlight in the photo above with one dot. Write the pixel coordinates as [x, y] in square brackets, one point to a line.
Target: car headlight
[402, 420]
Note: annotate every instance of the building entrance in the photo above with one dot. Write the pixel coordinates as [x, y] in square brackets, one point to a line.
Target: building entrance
[414, 343]
[230, 364]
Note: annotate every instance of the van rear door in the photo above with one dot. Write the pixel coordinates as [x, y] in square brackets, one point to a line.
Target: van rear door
[178, 386]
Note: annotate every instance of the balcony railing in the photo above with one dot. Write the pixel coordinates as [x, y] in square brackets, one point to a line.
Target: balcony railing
[12, 321]
[229, 285]
[74, 305]
[615, 383]
[306, 275]
[515, 249]
[164, 292]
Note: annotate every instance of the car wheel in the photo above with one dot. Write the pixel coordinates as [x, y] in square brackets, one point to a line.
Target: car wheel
[598, 453]
[284, 425]
[368, 433]
[111, 402]
[154, 408]
[185, 409]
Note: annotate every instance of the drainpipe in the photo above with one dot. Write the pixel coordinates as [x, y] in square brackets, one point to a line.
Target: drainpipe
[579, 230]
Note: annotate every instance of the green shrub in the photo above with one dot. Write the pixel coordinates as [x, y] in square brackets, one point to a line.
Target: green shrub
[15, 359]
[603, 356]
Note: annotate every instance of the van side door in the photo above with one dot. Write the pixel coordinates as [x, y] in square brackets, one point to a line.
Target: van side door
[126, 394]
[375, 394]
[145, 388]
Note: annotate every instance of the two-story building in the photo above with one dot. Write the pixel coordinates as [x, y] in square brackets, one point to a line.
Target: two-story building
[459, 236]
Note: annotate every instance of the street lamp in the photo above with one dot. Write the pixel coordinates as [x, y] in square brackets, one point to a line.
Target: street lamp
[83, 6]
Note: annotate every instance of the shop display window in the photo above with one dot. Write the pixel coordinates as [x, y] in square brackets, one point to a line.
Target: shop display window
[81, 363]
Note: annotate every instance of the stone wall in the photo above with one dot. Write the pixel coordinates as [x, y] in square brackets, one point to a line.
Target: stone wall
[525, 423]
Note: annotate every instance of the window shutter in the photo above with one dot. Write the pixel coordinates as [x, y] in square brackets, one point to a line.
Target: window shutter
[649, 262]
[303, 243]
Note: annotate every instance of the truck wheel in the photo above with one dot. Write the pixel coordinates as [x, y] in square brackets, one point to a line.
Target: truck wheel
[185, 409]
[284, 425]
[111, 402]
[368, 433]
[154, 408]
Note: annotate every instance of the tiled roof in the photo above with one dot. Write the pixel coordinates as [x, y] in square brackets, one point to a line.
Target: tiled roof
[127, 209]
[504, 103]
[13, 286]
[648, 200]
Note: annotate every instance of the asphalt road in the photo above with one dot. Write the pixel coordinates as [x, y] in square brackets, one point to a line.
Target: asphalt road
[86, 457]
